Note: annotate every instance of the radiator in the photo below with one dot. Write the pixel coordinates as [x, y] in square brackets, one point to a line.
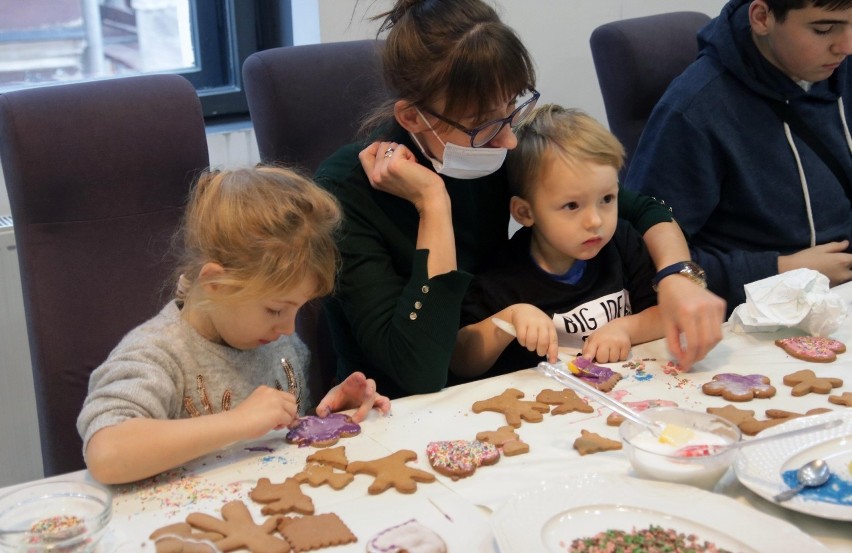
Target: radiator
[20, 456]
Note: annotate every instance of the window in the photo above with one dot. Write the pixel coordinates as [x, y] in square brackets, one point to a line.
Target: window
[50, 41]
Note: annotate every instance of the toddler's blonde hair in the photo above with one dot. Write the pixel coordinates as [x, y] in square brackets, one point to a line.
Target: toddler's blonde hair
[268, 227]
[568, 133]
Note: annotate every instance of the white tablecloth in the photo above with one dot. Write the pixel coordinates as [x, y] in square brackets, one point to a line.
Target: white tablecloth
[460, 510]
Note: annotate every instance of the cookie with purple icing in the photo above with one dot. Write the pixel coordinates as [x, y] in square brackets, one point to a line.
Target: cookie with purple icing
[739, 387]
[602, 378]
[322, 431]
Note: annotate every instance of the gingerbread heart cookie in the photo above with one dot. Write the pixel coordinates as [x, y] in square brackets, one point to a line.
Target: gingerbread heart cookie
[806, 381]
[460, 458]
[812, 348]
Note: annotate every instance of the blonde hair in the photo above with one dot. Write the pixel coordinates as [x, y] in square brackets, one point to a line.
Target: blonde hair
[268, 227]
[569, 133]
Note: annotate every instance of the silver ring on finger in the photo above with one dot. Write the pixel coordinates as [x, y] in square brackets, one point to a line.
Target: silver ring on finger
[389, 151]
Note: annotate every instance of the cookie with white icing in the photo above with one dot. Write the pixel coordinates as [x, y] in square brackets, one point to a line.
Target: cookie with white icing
[410, 537]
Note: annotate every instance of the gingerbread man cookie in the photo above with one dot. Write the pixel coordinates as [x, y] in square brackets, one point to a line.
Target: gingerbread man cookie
[812, 348]
[509, 403]
[239, 530]
[460, 458]
[732, 414]
[737, 387]
[286, 497]
[589, 442]
[392, 471]
[806, 381]
[506, 439]
[566, 401]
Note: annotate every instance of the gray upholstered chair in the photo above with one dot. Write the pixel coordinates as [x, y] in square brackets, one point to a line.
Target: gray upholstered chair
[635, 60]
[306, 102]
[97, 175]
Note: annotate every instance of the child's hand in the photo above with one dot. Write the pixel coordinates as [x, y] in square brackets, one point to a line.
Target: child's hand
[266, 409]
[356, 391]
[535, 330]
[608, 344]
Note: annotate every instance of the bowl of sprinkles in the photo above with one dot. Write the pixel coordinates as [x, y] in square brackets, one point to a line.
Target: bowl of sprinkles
[59, 516]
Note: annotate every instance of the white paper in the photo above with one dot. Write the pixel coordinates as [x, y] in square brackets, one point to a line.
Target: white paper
[796, 299]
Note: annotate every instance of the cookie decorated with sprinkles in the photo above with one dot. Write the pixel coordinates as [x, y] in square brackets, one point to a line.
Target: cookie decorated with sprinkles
[460, 458]
[817, 349]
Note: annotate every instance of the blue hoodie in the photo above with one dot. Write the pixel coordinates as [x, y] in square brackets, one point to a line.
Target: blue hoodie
[719, 156]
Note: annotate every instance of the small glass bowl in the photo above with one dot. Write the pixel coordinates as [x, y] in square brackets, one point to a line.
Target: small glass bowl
[58, 516]
[653, 460]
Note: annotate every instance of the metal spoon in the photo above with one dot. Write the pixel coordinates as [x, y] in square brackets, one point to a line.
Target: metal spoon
[813, 473]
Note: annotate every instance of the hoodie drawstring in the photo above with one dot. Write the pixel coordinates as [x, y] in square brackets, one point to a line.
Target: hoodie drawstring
[803, 180]
[802, 177]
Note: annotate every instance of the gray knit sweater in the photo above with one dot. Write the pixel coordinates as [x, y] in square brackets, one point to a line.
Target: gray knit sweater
[164, 369]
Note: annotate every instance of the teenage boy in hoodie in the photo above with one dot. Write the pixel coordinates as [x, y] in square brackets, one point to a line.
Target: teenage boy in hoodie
[751, 193]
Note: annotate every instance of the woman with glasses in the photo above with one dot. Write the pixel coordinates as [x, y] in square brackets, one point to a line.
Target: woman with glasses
[427, 201]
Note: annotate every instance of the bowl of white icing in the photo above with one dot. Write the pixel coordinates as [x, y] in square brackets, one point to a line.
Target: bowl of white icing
[660, 457]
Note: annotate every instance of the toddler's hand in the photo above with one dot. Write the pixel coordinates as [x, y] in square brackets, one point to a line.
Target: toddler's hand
[607, 344]
[535, 330]
[265, 409]
[356, 391]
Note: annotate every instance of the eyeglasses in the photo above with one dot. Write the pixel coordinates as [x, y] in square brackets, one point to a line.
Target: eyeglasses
[485, 133]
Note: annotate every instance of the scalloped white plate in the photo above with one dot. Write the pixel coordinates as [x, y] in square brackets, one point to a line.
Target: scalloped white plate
[551, 517]
[760, 467]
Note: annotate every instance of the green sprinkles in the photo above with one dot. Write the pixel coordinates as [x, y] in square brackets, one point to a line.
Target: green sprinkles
[654, 539]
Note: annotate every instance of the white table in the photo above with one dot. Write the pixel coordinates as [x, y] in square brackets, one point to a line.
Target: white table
[207, 483]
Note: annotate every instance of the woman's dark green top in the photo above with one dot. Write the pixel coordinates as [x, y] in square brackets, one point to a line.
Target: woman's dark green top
[387, 318]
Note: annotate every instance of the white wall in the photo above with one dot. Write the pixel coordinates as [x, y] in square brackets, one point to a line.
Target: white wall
[556, 33]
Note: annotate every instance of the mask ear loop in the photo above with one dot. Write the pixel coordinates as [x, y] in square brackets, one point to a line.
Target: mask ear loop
[444, 144]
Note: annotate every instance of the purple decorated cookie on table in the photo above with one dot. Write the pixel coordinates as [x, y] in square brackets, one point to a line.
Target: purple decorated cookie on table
[602, 378]
[322, 431]
[738, 387]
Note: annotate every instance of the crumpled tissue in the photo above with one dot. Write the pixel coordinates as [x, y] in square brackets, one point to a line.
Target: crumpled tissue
[795, 299]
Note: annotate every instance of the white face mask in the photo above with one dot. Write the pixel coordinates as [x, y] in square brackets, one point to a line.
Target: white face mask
[461, 162]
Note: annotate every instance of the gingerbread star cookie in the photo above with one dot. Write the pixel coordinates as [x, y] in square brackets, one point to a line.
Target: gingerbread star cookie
[392, 471]
[239, 530]
[812, 348]
[738, 387]
[283, 498]
[806, 381]
[566, 401]
[509, 403]
[506, 439]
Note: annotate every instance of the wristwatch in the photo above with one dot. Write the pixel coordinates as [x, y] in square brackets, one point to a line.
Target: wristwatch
[689, 269]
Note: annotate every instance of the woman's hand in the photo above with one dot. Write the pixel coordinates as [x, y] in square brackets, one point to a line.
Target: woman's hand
[356, 391]
[692, 319]
[829, 259]
[392, 168]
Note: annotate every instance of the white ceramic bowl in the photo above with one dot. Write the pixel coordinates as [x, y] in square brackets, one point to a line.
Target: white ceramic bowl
[57, 516]
[651, 459]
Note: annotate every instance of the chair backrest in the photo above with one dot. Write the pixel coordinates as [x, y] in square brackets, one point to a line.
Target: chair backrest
[306, 102]
[97, 175]
[635, 60]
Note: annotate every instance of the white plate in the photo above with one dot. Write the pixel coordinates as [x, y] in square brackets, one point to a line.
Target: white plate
[760, 467]
[550, 518]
